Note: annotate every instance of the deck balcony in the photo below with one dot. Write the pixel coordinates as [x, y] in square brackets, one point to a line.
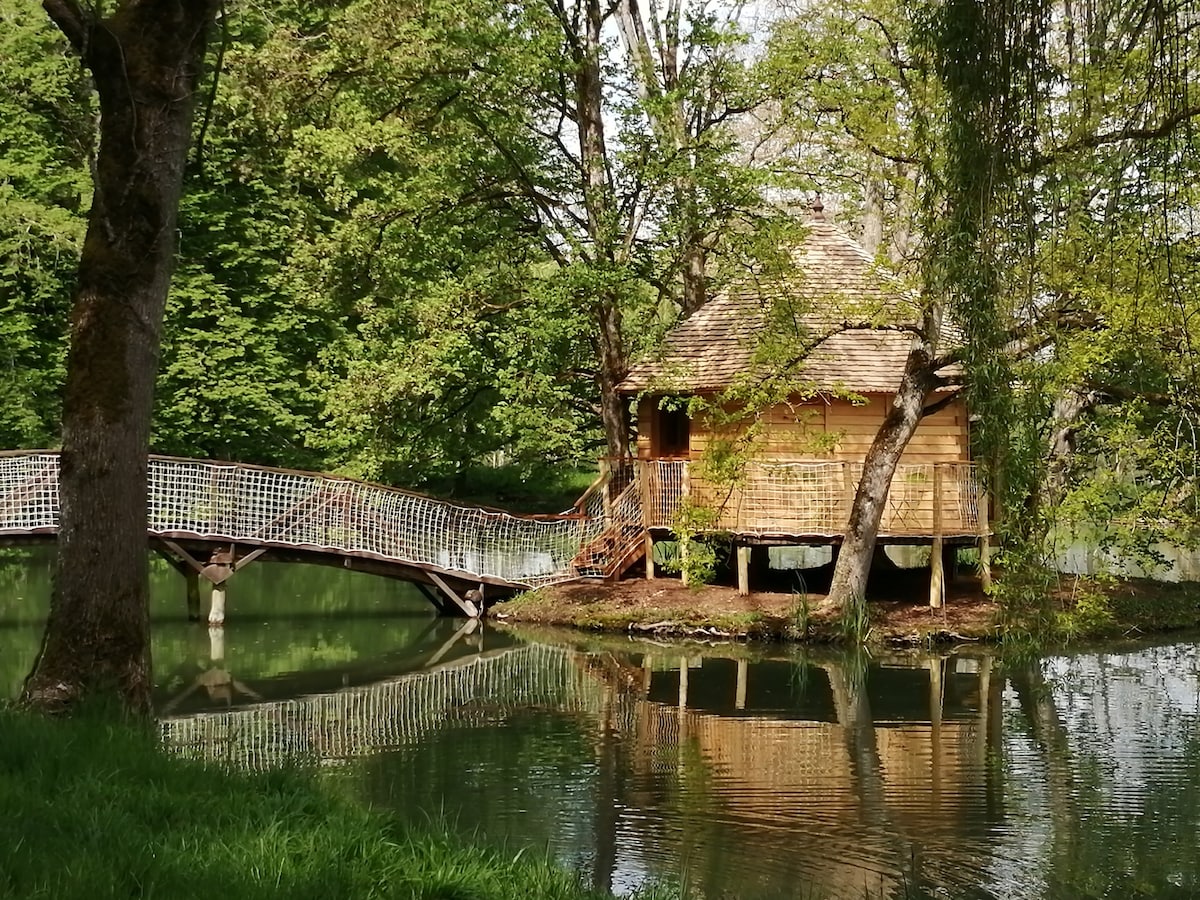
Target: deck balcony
[804, 499]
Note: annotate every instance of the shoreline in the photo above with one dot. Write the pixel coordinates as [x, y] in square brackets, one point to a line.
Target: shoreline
[900, 616]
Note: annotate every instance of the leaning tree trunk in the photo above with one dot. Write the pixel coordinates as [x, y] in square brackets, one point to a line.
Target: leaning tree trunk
[858, 546]
[145, 60]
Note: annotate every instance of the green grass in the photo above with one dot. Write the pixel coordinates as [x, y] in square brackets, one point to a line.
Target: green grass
[94, 810]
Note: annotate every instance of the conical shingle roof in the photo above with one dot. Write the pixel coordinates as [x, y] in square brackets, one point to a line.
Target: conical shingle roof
[836, 282]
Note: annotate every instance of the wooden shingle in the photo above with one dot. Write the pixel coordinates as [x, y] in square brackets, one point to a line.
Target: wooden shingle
[836, 282]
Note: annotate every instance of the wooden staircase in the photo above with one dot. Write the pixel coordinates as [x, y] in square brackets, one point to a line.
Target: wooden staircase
[621, 544]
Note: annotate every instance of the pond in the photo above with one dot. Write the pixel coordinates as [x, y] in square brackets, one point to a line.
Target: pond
[742, 771]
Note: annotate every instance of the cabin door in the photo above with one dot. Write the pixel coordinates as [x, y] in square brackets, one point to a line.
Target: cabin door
[674, 433]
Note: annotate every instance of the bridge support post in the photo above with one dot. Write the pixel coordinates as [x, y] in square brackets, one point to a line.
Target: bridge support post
[743, 570]
[187, 566]
[216, 609]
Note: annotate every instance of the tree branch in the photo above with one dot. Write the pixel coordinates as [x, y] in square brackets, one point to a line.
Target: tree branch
[938, 406]
[1093, 141]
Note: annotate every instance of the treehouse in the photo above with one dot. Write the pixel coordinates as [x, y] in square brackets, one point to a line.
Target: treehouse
[785, 470]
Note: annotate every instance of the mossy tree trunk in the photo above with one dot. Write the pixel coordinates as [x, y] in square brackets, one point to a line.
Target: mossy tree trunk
[145, 59]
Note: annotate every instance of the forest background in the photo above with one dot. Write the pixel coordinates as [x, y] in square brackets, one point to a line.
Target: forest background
[420, 243]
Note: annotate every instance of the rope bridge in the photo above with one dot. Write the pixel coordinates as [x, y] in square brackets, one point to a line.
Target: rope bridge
[278, 508]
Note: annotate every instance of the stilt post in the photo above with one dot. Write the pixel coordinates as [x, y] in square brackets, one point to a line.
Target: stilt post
[216, 608]
[985, 549]
[467, 607]
[642, 467]
[937, 574]
[743, 569]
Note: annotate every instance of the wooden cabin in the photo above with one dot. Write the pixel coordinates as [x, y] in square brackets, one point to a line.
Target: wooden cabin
[802, 457]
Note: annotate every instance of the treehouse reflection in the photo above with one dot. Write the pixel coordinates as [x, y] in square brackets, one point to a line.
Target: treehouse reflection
[798, 461]
[815, 758]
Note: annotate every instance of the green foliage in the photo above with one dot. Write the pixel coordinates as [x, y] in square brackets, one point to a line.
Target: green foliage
[45, 147]
[854, 621]
[700, 550]
[801, 614]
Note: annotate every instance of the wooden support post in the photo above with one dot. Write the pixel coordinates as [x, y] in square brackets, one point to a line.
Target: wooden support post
[433, 597]
[181, 559]
[683, 682]
[193, 595]
[985, 549]
[216, 608]
[743, 569]
[937, 574]
[606, 489]
[468, 608]
[250, 557]
[187, 566]
[649, 513]
[743, 669]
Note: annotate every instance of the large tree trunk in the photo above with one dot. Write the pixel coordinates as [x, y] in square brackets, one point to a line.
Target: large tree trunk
[858, 545]
[614, 408]
[597, 194]
[145, 60]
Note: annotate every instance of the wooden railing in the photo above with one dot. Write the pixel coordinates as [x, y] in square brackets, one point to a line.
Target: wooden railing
[813, 498]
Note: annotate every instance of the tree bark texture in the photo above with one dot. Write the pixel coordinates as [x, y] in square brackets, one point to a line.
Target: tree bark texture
[614, 408]
[858, 545]
[145, 60]
[597, 194]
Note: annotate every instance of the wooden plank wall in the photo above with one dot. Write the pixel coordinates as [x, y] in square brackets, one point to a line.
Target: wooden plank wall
[834, 431]
[837, 430]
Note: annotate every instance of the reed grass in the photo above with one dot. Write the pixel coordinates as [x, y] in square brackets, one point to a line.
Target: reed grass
[93, 810]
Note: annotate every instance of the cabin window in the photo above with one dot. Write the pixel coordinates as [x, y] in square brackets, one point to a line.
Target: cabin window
[674, 432]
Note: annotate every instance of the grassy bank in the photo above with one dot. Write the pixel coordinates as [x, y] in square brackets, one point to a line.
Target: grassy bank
[95, 810]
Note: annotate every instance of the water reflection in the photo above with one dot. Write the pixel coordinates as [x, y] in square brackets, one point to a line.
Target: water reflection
[284, 620]
[758, 775]
[748, 772]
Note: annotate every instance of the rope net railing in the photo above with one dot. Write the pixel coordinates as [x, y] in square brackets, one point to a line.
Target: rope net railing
[793, 498]
[275, 507]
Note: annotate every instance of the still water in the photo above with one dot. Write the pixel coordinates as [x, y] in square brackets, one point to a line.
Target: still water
[745, 772]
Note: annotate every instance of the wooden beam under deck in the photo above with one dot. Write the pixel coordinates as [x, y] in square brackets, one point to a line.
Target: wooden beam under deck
[201, 548]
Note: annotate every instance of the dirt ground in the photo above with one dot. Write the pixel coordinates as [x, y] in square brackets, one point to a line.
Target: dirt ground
[900, 614]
